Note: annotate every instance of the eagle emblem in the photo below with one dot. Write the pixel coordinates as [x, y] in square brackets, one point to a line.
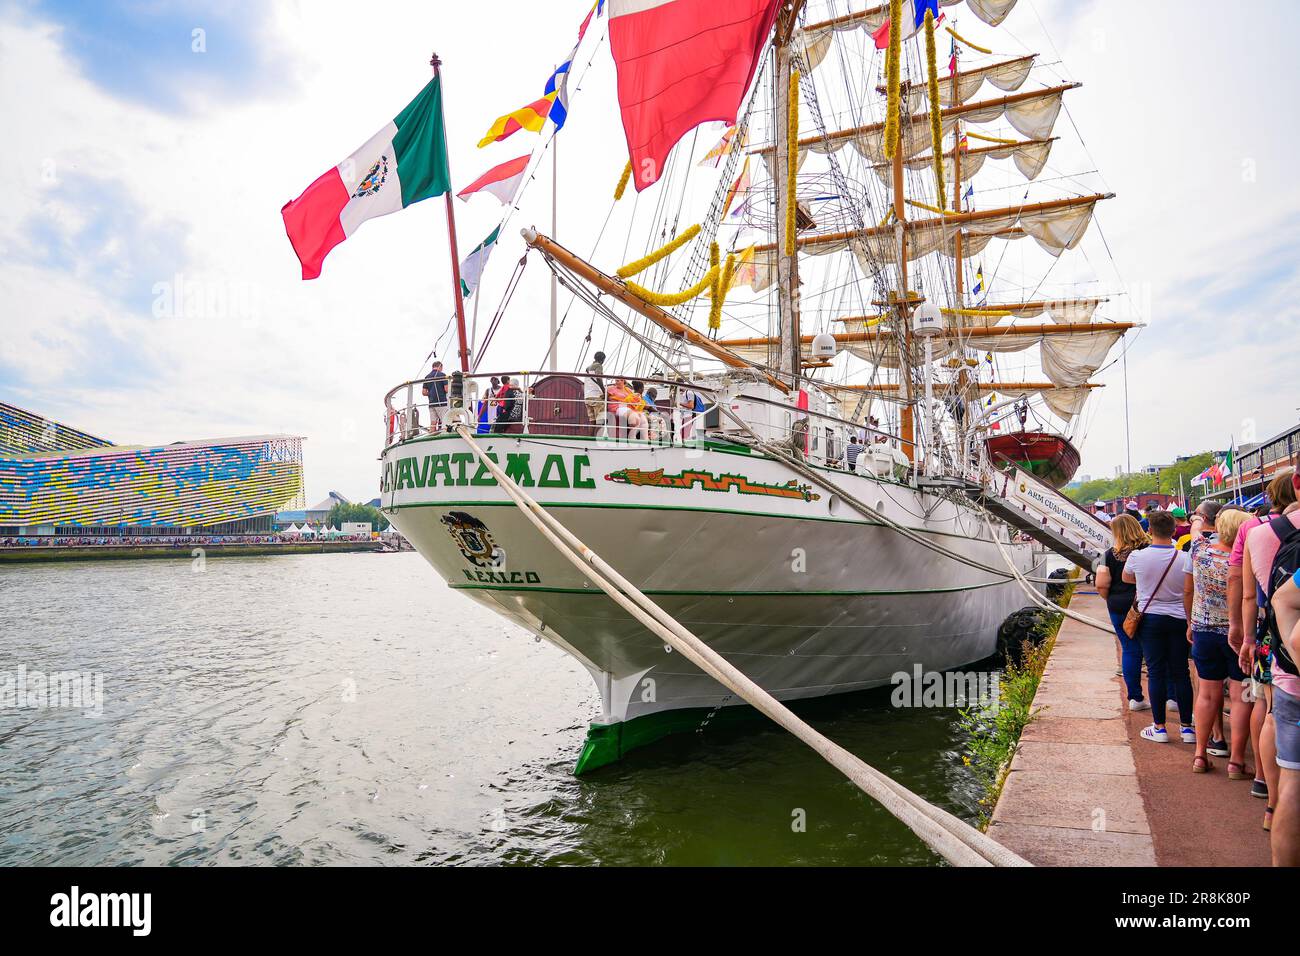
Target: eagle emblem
[474, 540]
[374, 179]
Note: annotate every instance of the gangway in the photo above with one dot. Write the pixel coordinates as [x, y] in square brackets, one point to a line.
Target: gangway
[1029, 504]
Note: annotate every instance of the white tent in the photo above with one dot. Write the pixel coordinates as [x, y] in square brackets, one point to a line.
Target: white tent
[308, 529]
[292, 529]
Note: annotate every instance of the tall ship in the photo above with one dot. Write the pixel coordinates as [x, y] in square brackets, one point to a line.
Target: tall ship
[800, 440]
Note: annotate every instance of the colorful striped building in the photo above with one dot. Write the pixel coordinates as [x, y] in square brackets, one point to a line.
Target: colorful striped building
[58, 480]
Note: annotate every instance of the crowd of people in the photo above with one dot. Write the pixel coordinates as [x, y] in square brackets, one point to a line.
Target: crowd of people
[1220, 589]
[613, 407]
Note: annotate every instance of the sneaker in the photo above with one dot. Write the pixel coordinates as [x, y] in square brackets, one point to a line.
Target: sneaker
[1188, 735]
[1217, 748]
[1134, 705]
[1155, 735]
[1259, 789]
[1173, 705]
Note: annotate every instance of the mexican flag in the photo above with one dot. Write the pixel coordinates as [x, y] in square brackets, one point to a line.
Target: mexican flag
[471, 269]
[404, 162]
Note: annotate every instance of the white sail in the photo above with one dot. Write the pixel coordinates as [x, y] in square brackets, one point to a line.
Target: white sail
[814, 42]
[1008, 76]
[1030, 157]
[1031, 115]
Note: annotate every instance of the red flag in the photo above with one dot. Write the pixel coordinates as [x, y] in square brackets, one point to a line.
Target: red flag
[881, 36]
[682, 63]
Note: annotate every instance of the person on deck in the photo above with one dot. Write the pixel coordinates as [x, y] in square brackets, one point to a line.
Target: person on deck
[1119, 594]
[512, 405]
[435, 393]
[1207, 590]
[625, 408]
[1158, 572]
[593, 392]
[853, 450]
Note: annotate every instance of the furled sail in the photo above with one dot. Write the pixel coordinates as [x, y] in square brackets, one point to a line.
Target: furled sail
[1067, 359]
[1032, 114]
[1008, 76]
[814, 41]
[1070, 311]
[1068, 354]
[1056, 226]
[1065, 403]
[1030, 157]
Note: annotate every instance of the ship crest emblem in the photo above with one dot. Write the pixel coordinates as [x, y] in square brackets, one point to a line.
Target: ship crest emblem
[374, 179]
[474, 540]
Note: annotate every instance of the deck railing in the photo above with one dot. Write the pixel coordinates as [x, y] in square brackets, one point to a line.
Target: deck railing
[622, 408]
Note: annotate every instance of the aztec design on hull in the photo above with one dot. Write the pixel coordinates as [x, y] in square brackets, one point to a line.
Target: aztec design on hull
[708, 482]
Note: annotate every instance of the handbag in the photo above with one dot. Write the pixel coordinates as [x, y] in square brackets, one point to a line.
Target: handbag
[1133, 619]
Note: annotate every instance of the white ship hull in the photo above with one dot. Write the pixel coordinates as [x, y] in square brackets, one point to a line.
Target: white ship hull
[790, 584]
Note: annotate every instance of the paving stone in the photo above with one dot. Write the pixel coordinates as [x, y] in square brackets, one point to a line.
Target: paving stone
[1055, 846]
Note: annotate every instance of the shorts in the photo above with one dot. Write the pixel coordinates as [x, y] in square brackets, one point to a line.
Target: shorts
[1214, 659]
[1286, 719]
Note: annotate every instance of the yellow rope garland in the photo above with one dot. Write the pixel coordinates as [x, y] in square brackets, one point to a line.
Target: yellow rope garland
[623, 181]
[992, 139]
[936, 110]
[792, 165]
[716, 292]
[962, 39]
[641, 265]
[892, 80]
[669, 299]
[928, 208]
[729, 273]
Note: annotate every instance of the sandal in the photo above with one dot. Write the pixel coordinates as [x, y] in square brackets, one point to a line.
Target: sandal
[1201, 765]
[1268, 819]
[1241, 771]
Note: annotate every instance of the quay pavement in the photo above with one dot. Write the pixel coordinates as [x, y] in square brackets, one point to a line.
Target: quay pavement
[1085, 790]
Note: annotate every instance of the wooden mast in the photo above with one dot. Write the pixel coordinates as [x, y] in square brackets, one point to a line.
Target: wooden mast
[789, 362]
[451, 232]
[907, 417]
[959, 204]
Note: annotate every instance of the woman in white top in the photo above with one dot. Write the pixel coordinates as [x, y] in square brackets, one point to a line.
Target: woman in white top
[1158, 571]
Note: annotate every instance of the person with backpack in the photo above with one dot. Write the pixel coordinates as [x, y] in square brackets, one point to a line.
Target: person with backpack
[690, 405]
[1162, 612]
[1285, 836]
[1258, 544]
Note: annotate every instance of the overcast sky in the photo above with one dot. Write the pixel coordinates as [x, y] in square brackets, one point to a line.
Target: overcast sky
[152, 147]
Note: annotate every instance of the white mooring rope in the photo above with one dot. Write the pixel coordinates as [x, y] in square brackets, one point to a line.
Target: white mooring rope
[950, 837]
